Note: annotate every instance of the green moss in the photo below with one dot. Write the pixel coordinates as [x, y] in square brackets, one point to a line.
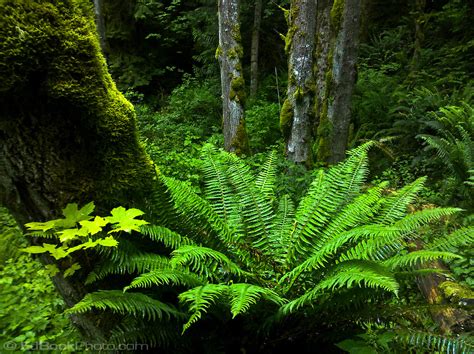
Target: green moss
[337, 11]
[240, 143]
[52, 69]
[286, 118]
[218, 52]
[292, 28]
[236, 52]
[456, 292]
[237, 89]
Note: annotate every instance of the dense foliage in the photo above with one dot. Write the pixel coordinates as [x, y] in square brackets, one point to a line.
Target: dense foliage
[205, 251]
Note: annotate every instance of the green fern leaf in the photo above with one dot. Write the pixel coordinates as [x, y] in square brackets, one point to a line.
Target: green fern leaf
[199, 300]
[165, 277]
[135, 304]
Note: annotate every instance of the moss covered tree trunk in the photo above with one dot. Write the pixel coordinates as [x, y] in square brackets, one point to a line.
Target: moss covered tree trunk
[229, 54]
[336, 76]
[254, 50]
[297, 113]
[66, 132]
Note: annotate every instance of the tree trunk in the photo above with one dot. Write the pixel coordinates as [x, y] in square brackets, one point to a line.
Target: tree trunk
[419, 33]
[334, 95]
[229, 54]
[296, 117]
[257, 19]
[67, 134]
[100, 22]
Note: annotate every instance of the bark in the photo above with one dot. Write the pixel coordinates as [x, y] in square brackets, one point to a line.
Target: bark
[254, 51]
[229, 54]
[297, 112]
[334, 95]
[100, 22]
[67, 134]
[419, 33]
[449, 318]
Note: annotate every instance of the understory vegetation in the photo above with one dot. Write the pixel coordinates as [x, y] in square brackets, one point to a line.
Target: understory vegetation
[246, 250]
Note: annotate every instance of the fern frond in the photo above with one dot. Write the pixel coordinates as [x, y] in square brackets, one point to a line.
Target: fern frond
[279, 238]
[199, 300]
[200, 216]
[328, 193]
[266, 179]
[419, 218]
[460, 237]
[436, 343]
[135, 304]
[358, 212]
[380, 233]
[204, 261]
[160, 333]
[256, 209]
[414, 258]
[345, 275]
[218, 190]
[164, 235]
[243, 296]
[396, 205]
[134, 264]
[165, 277]
[384, 242]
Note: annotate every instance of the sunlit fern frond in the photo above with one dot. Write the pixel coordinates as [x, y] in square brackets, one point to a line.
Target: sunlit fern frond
[395, 206]
[199, 300]
[257, 211]
[346, 275]
[416, 258]
[219, 192]
[134, 304]
[461, 237]
[328, 193]
[205, 261]
[134, 264]
[164, 235]
[160, 277]
[279, 239]
[266, 179]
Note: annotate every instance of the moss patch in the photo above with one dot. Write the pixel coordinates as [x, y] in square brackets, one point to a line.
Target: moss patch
[456, 292]
[240, 143]
[237, 89]
[286, 118]
[54, 81]
[337, 11]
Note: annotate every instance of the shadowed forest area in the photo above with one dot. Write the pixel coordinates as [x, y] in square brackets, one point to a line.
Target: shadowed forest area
[235, 176]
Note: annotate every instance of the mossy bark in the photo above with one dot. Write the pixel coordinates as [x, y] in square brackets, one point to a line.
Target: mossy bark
[336, 58]
[67, 134]
[229, 54]
[300, 93]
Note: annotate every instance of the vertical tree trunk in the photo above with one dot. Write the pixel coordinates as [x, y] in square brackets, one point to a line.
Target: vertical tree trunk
[229, 54]
[66, 133]
[335, 98]
[419, 33]
[254, 52]
[297, 113]
[100, 22]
